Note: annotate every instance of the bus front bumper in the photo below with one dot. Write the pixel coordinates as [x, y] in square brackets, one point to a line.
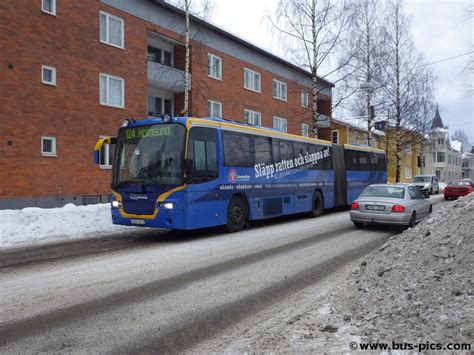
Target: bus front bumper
[165, 218]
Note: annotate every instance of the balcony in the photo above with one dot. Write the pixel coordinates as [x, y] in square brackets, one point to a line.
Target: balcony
[166, 78]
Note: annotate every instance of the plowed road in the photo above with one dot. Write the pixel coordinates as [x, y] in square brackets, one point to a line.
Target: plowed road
[158, 291]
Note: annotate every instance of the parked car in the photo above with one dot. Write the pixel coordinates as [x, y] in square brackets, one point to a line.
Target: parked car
[390, 204]
[427, 184]
[457, 188]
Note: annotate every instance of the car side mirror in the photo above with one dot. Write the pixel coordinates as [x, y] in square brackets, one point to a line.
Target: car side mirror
[189, 165]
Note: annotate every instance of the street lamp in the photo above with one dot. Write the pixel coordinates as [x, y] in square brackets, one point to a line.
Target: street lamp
[368, 87]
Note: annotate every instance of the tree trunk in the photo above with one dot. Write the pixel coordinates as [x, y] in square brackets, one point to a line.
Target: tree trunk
[186, 63]
[314, 70]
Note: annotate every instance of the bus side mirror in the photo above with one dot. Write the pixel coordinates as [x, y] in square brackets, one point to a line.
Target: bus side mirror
[98, 148]
[189, 166]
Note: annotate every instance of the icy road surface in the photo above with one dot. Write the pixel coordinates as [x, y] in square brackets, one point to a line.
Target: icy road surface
[163, 291]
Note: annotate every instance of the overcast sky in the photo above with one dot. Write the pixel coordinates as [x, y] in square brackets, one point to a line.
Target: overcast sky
[439, 28]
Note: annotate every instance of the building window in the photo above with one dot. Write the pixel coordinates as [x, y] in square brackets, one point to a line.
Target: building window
[441, 158]
[48, 75]
[49, 6]
[105, 156]
[160, 56]
[214, 66]
[280, 90]
[304, 99]
[280, 124]
[408, 150]
[48, 146]
[408, 172]
[253, 117]
[252, 80]
[440, 140]
[215, 108]
[304, 130]
[112, 91]
[159, 106]
[111, 30]
[335, 136]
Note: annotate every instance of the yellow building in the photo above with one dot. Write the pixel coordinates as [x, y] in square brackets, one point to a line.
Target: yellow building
[353, 130]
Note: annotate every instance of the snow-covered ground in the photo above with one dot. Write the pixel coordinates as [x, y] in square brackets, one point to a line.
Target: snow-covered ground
[32, 225]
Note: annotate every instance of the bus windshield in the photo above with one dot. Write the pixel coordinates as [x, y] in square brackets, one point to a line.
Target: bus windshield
[151, 155]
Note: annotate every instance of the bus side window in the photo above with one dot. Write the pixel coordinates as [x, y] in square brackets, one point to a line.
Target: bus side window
[262, 150]
[276, 150]
[352, 160]
[237, 149]
[286, 150]
[202, 149]
[374, 161]
[364, 164]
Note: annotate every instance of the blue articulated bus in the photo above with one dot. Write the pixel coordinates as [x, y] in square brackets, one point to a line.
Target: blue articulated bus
[190, 173]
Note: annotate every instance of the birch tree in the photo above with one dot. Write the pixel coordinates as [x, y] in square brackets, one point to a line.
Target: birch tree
[191, 8]
[399, 72]
[362, 74]
[312, 32]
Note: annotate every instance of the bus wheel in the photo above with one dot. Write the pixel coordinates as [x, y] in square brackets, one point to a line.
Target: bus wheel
[317, 209]
[236, 215]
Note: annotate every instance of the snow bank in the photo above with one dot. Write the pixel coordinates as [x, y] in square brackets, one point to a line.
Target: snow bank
[32, 225]
[419, 286]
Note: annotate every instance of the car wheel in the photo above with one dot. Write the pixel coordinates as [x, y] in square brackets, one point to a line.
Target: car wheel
[412, 221]
[446, 198]
[431, 191]
[430, 210]
[317, 207]
[358, 225]
[236, 215]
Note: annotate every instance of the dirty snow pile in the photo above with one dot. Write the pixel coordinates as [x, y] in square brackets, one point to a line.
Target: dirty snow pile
[419, 286]
[32, 225]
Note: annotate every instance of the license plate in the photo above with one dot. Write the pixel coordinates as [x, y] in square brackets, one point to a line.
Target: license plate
[138, 221]
[375, 208]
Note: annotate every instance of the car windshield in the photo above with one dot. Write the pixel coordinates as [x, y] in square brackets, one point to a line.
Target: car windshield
[421, 179]
[151, 155]
[459, 183]
[383, 191]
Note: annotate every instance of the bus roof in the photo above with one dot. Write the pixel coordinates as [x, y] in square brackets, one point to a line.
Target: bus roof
[242, 127]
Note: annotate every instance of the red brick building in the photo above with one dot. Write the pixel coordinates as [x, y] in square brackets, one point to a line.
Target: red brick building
[71, 71]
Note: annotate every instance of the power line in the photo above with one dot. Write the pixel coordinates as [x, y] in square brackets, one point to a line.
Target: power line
[446, 59]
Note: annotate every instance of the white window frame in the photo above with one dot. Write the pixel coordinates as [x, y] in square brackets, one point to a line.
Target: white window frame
[408, 172]
[253, 75]
[305, 130]
[211, 108]
[53, 75]
[279, 91]
[53, 146]
[107, 156]
[337, 136]
[107, 98]
[211, 56]
[53, 4]
[277, 123]
[305, 99]
[253, 116]
[122, 32]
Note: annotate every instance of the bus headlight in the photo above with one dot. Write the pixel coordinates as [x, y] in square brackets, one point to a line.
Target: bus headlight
[116, 204]
[167, 205]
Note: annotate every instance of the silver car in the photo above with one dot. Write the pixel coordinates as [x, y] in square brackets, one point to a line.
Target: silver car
[427, 184]
[390, 204]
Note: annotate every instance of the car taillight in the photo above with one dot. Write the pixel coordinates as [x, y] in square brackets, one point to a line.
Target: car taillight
[398, 208]
[354, 206]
